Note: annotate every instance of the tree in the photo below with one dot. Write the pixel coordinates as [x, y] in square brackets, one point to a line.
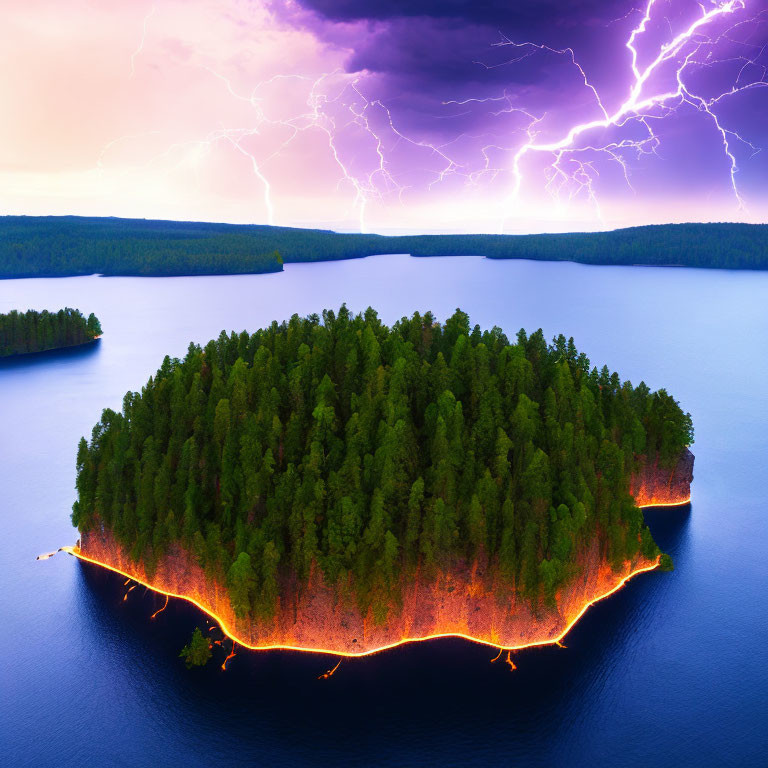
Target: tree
[344, 452]
[269, 585]
[242, 582]
[93, 325]
[198, 651]
[22, 333]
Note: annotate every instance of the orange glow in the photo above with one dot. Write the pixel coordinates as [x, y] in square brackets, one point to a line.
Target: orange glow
[232, 653]
[230, 632]
[509, 661]
[656, 486]
[125, 596]
[161, 609]
[330, 672]
[497, 656]
[665, 503]
[472, 601]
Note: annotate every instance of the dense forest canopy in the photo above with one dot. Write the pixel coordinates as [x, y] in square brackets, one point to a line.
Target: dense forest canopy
[372, 452]
[67, 245]
[22, 332]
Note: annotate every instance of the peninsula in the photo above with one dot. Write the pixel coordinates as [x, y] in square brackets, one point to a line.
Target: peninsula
[333, 484]
[25, 332]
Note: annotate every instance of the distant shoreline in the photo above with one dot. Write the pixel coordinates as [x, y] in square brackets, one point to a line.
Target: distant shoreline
[68, 246]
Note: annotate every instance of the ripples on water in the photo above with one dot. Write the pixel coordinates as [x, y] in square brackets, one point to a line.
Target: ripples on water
[670, 671]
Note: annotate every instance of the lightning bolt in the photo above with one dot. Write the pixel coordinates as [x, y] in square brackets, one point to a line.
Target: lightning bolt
[378, 160]
[639, 106]
[140, 47]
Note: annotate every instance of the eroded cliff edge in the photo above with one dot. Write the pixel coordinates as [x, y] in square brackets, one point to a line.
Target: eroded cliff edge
[658, 486]
[473, 602]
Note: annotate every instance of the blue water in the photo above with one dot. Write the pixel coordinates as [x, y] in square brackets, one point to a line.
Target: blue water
[673, 670]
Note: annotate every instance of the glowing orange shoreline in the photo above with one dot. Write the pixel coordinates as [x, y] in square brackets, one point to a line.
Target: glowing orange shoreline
[666, 504]
[75, 551]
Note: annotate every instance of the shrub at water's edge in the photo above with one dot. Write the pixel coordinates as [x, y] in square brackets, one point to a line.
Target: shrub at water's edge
[25, 332]
[335, 467]
[198, 651]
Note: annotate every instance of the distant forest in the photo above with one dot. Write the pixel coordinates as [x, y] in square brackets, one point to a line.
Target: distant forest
[60, 246]
[377, 452]
[65, 246]
[23, 332]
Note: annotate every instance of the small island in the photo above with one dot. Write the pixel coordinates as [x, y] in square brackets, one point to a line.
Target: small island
[333, 484]
[22, 333]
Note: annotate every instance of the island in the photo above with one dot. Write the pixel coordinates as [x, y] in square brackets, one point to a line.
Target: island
[56, 246]
[24, 332]
[333, 484]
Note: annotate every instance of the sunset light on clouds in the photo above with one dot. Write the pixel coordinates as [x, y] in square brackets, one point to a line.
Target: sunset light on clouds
[386, 117]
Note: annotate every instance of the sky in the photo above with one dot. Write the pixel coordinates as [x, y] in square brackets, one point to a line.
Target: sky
[387, 115]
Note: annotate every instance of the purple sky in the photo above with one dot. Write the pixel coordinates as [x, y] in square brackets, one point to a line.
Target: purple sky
[406, 115]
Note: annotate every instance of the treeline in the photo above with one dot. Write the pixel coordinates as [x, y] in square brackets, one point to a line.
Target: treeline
[371, 452]
[712, 246]
[22, 332]
[65, 246]
[52, 246]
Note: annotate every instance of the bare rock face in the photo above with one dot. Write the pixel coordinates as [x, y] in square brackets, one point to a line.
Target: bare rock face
[659, 486]
[468, 603]
[472, 602]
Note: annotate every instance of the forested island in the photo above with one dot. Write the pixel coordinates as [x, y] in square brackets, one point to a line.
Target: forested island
[334, 483]
[25, 332]
[53, 246]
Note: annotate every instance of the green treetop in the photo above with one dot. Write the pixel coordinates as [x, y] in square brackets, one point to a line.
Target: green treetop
[198, 651]
[338, 445]
[23, 332]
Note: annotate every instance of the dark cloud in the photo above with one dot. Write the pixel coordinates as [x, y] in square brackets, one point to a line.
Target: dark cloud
[432, 50]
[439, 68]
[448, 49]
[520, 14]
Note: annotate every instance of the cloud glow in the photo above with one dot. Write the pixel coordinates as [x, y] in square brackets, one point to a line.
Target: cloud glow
[311, 115]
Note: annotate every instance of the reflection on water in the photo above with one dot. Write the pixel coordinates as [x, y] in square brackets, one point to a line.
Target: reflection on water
[464, 689]
[51, 356]
[671, 670]
[669, 526]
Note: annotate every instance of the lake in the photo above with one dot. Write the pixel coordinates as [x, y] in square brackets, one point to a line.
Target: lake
[672, 670]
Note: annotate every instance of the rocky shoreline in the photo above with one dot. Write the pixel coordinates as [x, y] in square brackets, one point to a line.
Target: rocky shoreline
[472, 602]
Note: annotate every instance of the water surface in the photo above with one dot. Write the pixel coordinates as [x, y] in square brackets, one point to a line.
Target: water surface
[673, 670]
